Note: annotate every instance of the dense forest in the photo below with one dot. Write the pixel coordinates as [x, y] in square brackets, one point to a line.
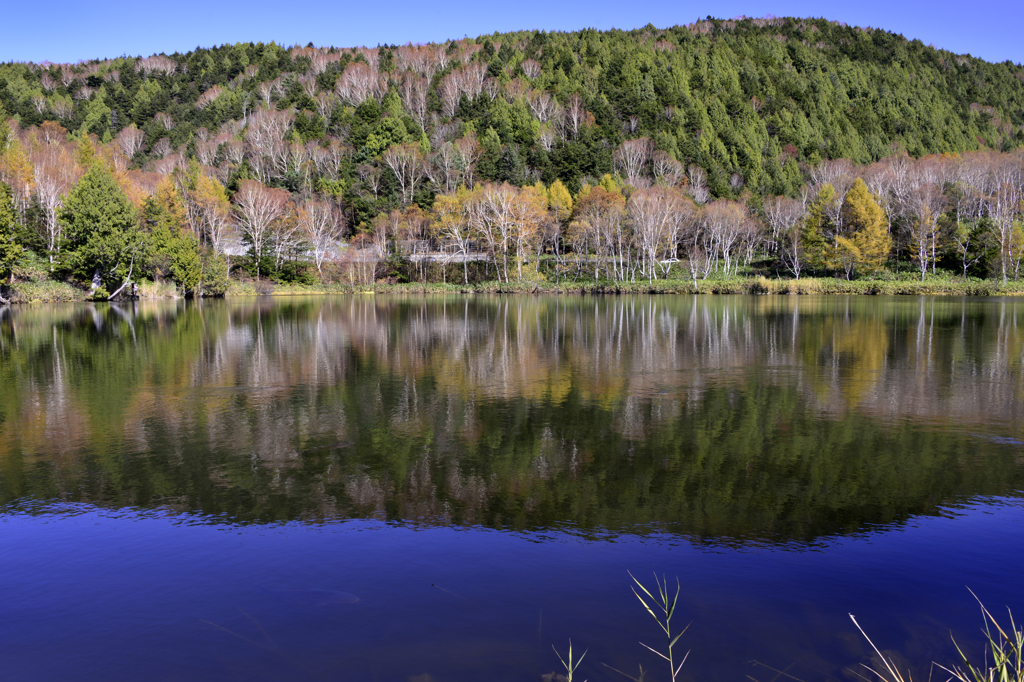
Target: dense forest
[802, 145]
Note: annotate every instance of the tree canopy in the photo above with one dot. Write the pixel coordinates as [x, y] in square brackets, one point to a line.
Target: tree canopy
[10, 250]
[101, 237]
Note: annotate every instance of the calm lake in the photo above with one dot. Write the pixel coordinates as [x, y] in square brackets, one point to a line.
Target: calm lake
[428, 489]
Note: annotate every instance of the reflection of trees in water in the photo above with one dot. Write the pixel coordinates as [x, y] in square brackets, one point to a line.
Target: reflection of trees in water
[781, 417]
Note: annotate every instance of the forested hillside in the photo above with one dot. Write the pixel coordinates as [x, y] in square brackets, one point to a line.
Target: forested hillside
[338, 139]
[735, 97]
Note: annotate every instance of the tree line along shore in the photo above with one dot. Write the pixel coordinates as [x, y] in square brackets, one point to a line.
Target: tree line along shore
[761, 155]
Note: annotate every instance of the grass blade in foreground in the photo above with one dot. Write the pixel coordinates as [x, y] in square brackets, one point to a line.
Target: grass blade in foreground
[569, 666]
[667, 609]
[1007, 653]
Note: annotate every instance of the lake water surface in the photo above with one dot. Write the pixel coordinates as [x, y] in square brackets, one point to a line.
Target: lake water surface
[442, 488]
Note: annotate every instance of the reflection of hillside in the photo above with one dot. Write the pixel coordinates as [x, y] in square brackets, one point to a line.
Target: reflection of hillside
[728, 416]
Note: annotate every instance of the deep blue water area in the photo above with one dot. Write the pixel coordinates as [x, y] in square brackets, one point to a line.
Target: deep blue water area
[93, 594]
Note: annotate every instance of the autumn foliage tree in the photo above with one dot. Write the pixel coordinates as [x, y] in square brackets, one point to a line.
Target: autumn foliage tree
[206, 205]
[865, 221]
[173, 247]
[508, 220]
[451, 226]
[598, 224]
[16, 171]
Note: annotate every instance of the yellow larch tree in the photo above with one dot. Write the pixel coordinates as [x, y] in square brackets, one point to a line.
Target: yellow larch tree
[864, 222]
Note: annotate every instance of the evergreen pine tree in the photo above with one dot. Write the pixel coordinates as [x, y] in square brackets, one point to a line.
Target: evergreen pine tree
[812, 231]
[10, 250]
[102, 240]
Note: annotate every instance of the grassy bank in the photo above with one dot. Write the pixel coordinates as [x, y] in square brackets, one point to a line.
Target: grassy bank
[937, 286]
[48, 291]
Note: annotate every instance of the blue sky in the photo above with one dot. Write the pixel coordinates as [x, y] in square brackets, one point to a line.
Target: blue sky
[67, 31]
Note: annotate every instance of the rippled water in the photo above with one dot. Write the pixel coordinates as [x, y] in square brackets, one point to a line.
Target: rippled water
[441, 488]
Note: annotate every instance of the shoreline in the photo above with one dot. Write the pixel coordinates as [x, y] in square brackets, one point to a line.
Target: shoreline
[60, 292]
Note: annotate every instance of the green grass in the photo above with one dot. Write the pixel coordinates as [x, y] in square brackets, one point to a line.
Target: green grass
[38, 287]
[1005, 648]
[47, 291]
[937, 286]
[158, 290]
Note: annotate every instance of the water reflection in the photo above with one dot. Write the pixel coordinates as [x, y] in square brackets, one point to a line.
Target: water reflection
[728, 419]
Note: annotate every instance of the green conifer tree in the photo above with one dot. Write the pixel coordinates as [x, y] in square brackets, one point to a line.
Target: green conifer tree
[101, 238]
[812, 232]
[10, 250]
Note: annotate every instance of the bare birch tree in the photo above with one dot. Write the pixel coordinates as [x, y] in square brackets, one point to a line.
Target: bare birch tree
[323, 223]
[256, 209]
